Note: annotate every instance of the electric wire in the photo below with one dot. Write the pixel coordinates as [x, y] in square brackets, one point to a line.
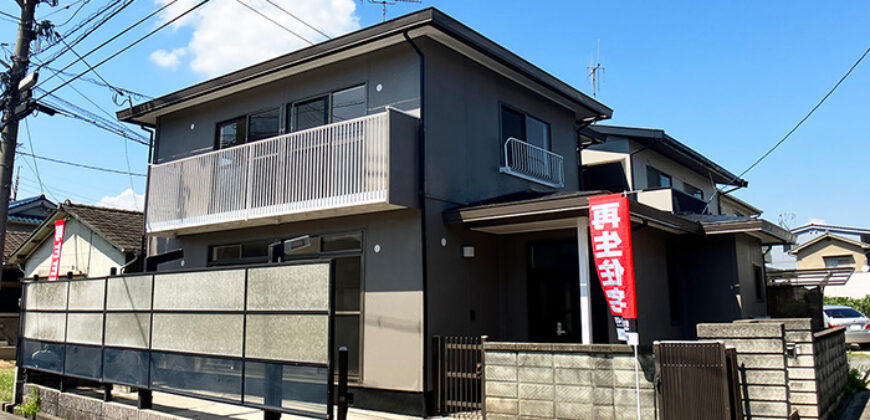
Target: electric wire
[104, 43]
[81, 25]
[275, 22]
[30, 142]
[299, 19]
[798, 125]
[80, 165]
[137, 41]
[11, 16]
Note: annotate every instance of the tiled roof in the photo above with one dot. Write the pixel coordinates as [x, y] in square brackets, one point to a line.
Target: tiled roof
[14, 239]
[123, 228]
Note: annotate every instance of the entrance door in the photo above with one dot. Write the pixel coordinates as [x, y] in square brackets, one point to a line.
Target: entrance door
[553, 292]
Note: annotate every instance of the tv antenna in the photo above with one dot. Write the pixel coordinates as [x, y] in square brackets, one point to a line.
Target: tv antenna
[385, 3]
[596, 72]
[786, 219]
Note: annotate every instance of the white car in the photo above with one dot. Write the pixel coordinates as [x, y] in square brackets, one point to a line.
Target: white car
[857, 324]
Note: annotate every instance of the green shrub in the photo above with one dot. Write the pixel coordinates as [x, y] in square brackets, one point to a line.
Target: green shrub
[30, 406]
[857, 381]
[862, 305]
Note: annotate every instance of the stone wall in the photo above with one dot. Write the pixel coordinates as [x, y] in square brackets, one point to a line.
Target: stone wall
[785, 367]
[564, 381]
[71, 406]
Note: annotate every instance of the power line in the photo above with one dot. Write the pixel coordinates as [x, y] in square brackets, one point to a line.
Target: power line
[299, 19]
[275, 22]
[30, 142]
[80, 165]
[104, 43]
[82, 24]
[11, 16]
[802, 120]
[140, 39]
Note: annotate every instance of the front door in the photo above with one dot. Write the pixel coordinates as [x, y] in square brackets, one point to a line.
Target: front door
[553, 292]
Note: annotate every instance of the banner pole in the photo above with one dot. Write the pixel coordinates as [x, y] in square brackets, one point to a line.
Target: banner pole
[637, 380]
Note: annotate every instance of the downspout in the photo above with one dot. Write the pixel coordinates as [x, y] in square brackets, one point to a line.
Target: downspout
[151, 130]
[421, 175]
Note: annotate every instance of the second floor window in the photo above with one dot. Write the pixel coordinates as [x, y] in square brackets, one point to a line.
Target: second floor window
[693, 191]
[524, 127]
[263, 125]
[338, 106]
[656, 178]
[231, 133]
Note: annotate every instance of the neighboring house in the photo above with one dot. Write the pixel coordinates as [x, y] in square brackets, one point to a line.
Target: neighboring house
[441, 173]
[822, 246]
[96, 240]
[24, 216]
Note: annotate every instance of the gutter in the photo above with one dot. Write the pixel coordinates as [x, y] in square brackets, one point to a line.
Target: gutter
[152, 131]
[421, 175]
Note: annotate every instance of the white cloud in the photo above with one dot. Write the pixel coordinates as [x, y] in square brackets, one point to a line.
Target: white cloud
[168, 59]
[227, 36]
[127, 200]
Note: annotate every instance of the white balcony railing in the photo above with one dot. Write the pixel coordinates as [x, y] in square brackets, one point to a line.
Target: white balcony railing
[333, 166]
[533, 163]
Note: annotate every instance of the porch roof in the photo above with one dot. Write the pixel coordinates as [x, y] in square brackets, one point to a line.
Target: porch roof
[559, 211]
[554, 211]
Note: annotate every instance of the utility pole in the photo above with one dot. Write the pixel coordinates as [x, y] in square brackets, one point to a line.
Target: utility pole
[12, 98]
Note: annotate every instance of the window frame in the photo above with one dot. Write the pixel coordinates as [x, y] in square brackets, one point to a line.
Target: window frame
[217, 131]
[687, 186]
[277, 108]
[290, 112]
[660, 174]
[526, 116]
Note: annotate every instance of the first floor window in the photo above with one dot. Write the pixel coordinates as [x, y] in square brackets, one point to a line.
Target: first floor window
[345, 250]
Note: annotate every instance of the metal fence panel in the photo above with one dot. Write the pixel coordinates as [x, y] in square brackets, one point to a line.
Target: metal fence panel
[211, 334]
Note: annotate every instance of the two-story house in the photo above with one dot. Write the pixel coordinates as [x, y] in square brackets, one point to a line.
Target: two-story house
[442, 174]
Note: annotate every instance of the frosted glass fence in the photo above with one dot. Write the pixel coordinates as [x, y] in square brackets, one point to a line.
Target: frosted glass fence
[257, 336]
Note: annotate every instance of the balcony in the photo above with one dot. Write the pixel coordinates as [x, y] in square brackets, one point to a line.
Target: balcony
[532, 163]
[357, 166]
[672, 200]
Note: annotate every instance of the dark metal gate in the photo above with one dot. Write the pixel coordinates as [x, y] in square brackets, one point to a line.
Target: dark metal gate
[698, 381]
[459, 376]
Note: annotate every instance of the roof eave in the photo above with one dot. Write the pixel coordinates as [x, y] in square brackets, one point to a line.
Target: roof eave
[430, 16]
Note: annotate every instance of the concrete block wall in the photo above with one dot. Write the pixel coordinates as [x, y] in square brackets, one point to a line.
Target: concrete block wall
[563, 381]
[832, 367]
[71, 406]
[761, 359]
[776, 382]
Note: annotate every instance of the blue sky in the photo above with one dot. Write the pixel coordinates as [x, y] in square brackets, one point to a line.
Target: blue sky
[727, 78]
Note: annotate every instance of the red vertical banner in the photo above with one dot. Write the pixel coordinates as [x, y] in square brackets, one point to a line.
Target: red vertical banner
[610, 229]
[59, 227]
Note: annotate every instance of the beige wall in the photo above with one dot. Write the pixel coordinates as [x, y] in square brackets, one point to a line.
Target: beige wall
[84, 253]
[680, 175]
[813, 256]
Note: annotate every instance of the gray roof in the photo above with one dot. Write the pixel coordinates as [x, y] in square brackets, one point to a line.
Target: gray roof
[658, 140]
[430, 17]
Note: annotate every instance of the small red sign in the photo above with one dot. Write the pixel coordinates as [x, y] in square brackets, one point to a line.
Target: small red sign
[610, 228]
[55, 251]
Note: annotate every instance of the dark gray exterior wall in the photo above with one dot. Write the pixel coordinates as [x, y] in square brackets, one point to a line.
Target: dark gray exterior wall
[395, 68]
[463, 142]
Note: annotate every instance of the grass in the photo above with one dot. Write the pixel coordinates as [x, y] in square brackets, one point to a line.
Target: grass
[7, 380]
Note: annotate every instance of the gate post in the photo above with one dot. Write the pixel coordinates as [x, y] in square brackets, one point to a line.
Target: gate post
[342, 383]
[145, 400]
